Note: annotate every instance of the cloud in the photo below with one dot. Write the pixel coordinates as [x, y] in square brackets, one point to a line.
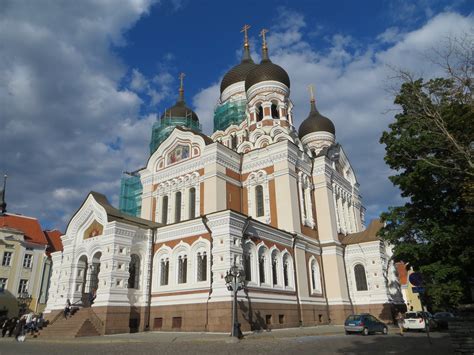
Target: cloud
[204, 103]
[351, 87]
[66, 125]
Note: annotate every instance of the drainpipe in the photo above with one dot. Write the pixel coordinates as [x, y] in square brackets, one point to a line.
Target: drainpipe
[211, 275]
[300, 311]
[150, 277]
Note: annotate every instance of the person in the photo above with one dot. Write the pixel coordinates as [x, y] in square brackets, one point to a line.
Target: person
[12, 326]
[5, 326]
[92, 296]
[19, 330]
[400, 321]
[67, 308]
[29, 320]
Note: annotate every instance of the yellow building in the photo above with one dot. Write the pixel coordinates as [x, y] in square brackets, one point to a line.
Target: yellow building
[25, 265]
[412, 299]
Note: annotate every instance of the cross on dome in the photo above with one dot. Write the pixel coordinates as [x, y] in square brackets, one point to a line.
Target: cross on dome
[246, 37]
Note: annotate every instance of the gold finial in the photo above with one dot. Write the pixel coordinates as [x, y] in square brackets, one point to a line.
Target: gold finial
[246, 37]
[311, 92]
[264, 39]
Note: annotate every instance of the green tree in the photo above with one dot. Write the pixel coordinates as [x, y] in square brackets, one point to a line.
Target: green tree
[429, 146]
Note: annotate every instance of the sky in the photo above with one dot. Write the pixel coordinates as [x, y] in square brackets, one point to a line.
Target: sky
[81, 82]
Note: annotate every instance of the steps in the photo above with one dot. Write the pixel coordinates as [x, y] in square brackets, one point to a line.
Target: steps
[83, 323]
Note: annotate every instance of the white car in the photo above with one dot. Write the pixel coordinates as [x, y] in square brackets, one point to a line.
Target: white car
[419, 321]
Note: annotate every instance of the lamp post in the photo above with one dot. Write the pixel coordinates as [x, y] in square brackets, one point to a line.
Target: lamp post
[24, 300]
[235, 280]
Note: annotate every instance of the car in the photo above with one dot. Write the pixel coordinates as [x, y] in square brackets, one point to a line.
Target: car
[365, 324]
[443, 318]
[419, 321]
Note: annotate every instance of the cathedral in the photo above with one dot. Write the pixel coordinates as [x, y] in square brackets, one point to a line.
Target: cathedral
[279, 202]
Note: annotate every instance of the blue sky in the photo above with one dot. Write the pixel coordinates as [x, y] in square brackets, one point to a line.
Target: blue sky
[81, 83]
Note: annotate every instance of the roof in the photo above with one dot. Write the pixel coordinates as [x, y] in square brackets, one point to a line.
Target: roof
[402, 272]
[208, 140]
[315, 122]
[367, 235]
[29, 226]
[266, 71]
[114, 214]
[54, 240]
[180, 110]
[237, 74]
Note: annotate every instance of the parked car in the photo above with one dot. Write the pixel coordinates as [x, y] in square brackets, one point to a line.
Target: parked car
[364, 323]
[443, 318]
[419, 321]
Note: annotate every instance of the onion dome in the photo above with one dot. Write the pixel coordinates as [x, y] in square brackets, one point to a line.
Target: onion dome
[266, 70]
[240, 71]
[315, 122]
[180, 110]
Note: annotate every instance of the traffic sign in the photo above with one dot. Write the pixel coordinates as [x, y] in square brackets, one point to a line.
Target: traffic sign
[416, 279]
[418, 289]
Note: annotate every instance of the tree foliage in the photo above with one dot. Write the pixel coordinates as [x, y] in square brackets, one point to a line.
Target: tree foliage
[430, 147]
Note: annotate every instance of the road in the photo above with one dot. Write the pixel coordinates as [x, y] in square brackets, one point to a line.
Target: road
[305, 341]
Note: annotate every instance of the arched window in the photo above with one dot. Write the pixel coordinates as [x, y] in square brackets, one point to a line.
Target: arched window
[259, 112]
[274, 268]
[182, 269]
[261, 264]
[192, 202]
[164, 271]
[202, 266]
[275, 111]
[233, 141]
[286, 270]
[361, 280]
[315, 277]
[259, 201]
[177, 207]
[247, 258]
[134, 270]
[164, 210]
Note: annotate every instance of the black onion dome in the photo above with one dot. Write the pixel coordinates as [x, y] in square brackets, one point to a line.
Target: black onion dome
[180, 110]
[265, 71]
[239, 72]
[315, 122]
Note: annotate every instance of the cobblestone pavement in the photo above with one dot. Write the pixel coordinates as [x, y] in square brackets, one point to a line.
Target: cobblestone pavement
[320, 340]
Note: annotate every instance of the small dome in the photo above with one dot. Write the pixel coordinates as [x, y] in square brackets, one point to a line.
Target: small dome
[315, 122]
[237, 74]
[180, 110]
[266, 71]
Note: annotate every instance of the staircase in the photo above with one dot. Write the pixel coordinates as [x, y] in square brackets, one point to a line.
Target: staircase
[83, 323]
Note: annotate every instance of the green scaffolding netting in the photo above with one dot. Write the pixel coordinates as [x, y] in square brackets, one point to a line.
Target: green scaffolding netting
[131, 195]
[163, 127]
[232, 112]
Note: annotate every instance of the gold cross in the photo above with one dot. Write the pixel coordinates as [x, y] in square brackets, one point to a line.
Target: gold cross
[311, 91]
[246, 37]
[262, 34]
[181, 78]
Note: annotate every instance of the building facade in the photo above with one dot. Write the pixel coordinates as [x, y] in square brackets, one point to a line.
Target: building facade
[281, 204]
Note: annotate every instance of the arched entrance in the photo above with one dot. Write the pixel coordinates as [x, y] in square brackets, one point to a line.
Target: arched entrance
[91, 278]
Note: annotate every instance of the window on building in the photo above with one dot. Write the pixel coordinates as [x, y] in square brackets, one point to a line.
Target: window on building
[274, 269]
[361, 279]
[261, 265]
[202, 266]
[7, 258]
[233, 141]
[275, 111]
[3, 284]
[177, 207]
[286, 275]
[134, 270]
[182, 269]
[164, 210]
[28, 261]
[164, 271]
[259, 112]
[247, 266]
[315, 276]
[192, 202]
[23, 286]
[259, 201]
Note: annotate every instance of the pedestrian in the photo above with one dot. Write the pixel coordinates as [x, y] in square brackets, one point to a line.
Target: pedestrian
[67, 308]
[19, 330]
[5, 326]
[12, 326]
[400, 321]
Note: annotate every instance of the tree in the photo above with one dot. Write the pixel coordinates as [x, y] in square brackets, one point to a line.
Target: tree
[430, 147]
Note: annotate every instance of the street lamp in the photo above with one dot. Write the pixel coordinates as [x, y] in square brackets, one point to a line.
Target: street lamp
[24, 300]
[235, 280]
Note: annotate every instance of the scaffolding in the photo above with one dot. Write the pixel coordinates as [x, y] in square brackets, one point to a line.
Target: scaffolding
[231, 112]
[163, 128]
[131, 194]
